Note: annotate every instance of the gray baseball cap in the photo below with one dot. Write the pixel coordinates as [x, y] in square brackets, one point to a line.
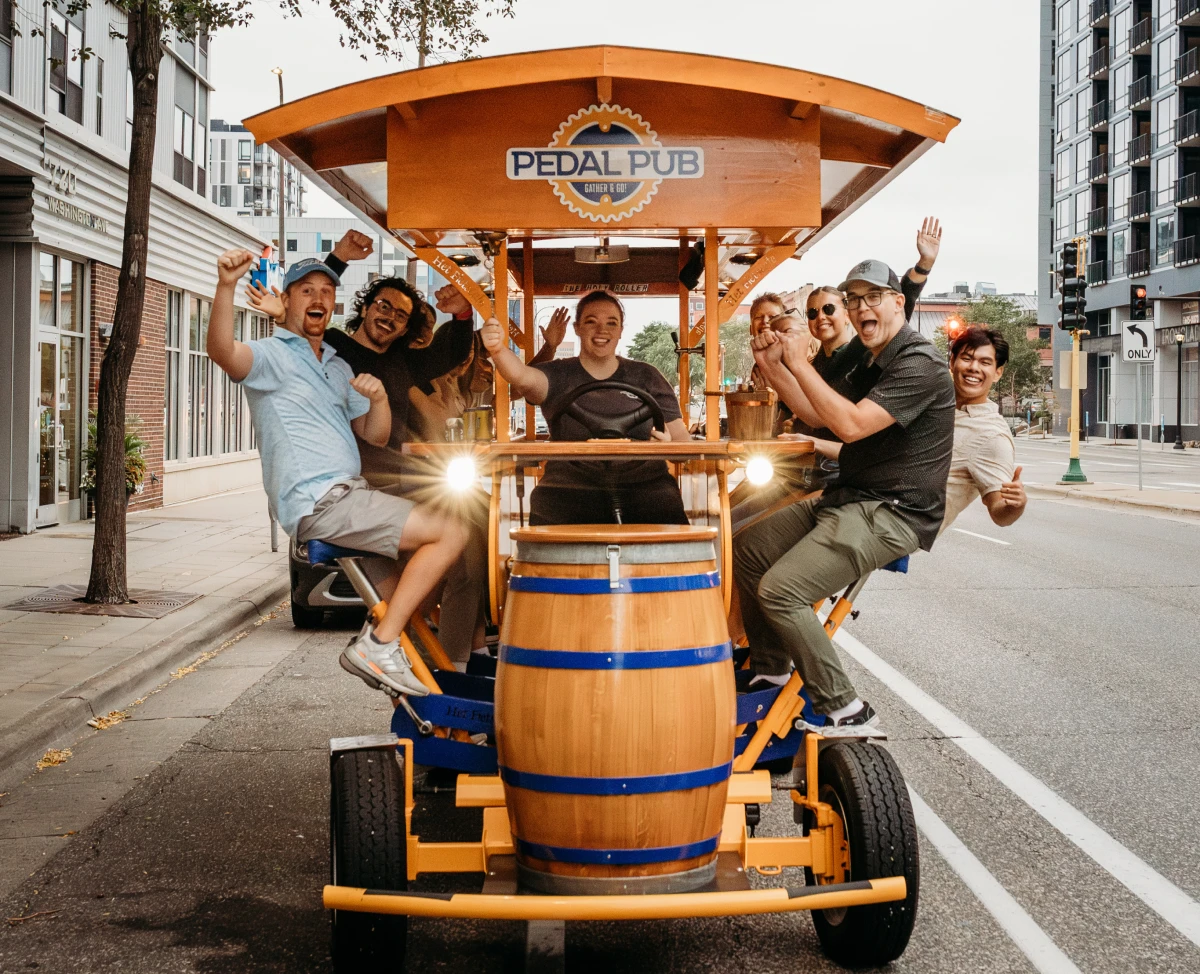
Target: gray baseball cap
[305, 267]
[874, 272]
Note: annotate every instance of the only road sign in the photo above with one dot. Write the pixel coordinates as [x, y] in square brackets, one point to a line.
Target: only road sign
[1137, 341]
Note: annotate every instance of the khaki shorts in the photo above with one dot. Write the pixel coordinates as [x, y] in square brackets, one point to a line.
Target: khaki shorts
[352, 515]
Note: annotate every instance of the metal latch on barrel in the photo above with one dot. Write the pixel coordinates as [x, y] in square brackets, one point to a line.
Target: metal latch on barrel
[614, 566]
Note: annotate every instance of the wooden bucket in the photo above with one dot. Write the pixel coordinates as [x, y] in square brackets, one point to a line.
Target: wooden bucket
[615, 707]
[751, 414]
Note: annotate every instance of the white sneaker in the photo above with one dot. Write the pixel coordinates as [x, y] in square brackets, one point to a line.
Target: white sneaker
[382, 666]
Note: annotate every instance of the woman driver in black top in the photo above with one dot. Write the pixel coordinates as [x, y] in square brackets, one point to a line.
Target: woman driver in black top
[583, 491]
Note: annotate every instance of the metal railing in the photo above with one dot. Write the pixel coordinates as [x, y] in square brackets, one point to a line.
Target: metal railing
[1187, 64]
[1186, 188]
[1097, 272]
[1187, 126]
[1185, 251]
[1098, 219]
[1140, 33]
[1186, 10]
[1139, 91]
[1139, 205]
[1098, 114]
[1099, 11]
[1137, 264]
[1139, 148]
[1098, 166]
[1098, 63]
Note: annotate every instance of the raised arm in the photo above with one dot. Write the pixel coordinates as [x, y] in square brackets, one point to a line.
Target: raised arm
[552, 336]
[232, 357]
[929, 243]
[848, 421]
[529, 382]
[768, 362]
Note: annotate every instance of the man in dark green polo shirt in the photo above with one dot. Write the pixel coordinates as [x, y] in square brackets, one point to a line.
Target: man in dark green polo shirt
[894, 413]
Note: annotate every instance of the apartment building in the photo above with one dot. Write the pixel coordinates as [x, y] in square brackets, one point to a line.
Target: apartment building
[65, 124]
[1120, 168]
[245, 176]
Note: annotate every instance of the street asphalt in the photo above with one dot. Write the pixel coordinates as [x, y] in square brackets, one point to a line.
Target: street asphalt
[1039, 696]
[1106, 461]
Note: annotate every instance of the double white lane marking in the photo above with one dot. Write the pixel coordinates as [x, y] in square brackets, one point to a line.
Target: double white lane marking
[1147, 884]
[1031, 939]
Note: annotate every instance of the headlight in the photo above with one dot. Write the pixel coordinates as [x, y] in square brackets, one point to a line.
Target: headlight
[759, 471]
[461, 474]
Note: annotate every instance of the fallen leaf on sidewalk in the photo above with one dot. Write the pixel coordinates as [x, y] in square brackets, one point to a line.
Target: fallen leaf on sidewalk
[52, 757]
[41, 914]
[111, 719]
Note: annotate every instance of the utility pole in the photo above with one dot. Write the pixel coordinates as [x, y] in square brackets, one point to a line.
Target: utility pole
[423, 35]
[282, 205]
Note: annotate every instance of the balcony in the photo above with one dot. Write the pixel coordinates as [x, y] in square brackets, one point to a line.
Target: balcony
[1185, 251]
[1187, 68]
[1099, 15]
[1139, 92]
[1098, 168]
[1187, 191]
[1097, 272]
[1140, 34]
[1098, 65]
[1139, 150]
[1187, 12]
[1139, 207]
[1187, 129]
[1098, 220]
[1098, 115]
[1137, 264]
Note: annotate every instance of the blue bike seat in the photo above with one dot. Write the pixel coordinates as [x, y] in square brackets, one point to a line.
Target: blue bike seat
[324, 553]
[899, 565]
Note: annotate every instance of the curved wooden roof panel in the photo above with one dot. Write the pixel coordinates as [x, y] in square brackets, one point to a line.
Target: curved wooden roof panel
[603, 140]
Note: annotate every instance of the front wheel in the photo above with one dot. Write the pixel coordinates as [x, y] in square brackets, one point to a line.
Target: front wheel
[367, 849]
[863, 784]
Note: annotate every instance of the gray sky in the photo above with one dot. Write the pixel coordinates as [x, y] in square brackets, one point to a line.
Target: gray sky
[978, 61]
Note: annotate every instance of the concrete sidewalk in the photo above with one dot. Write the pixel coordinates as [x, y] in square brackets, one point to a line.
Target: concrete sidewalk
[57, 671]
[1183, 503]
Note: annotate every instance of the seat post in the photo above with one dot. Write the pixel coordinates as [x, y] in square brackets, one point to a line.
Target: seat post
[362, 585]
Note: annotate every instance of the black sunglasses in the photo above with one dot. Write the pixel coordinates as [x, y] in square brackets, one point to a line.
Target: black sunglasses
[825, 309]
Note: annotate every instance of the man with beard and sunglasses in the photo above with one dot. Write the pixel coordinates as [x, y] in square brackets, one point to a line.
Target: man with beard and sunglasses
[894, 414]
[307, 406]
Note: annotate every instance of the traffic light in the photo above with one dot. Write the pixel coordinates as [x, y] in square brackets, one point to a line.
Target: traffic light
[1137, 302]
[1073, 303]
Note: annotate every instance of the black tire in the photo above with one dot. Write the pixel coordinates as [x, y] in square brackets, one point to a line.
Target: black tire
[305, 617]
[367, 849]
[863, 784]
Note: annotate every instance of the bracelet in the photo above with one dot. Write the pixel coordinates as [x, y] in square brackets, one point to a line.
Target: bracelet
[922, 271]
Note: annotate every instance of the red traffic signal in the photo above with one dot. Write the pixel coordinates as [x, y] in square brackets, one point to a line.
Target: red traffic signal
[1138, 303]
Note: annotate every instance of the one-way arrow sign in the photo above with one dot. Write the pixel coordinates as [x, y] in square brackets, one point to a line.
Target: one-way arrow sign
[1136, 345]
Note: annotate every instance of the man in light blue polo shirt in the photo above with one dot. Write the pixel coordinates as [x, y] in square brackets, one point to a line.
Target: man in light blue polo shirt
[307, 405]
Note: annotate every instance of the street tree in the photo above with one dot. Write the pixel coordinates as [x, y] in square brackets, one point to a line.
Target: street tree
[654, 344]
[434, 28]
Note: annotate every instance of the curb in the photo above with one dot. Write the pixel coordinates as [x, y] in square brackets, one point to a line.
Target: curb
[1109, 501]
[68, 713]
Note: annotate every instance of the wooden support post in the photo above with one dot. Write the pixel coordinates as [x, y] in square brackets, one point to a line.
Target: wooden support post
[685, 331]
[528, 325]
[712, 319]
[500, 303]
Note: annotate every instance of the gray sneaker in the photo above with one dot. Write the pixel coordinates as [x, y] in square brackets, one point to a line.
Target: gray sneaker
[381, 666]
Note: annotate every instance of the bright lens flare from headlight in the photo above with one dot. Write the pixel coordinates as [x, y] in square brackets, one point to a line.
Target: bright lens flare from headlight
[461, 474]
[759, 471]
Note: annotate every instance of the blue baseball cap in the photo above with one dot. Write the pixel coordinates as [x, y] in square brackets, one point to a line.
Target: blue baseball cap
[305, 267]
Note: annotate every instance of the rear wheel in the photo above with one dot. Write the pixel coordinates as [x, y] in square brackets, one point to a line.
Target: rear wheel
[865, 787]
[367, 849]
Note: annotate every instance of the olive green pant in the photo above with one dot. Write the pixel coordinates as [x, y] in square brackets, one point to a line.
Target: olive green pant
[786, 563]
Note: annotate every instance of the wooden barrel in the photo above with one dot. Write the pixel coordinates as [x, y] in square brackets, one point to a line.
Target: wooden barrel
[615, 707]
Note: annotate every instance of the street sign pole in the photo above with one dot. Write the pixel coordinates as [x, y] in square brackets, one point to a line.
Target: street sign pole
[1137, 418]
[1137, 346]
[1074, 474]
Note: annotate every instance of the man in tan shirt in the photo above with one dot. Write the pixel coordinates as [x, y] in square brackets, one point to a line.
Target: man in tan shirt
[984, 459]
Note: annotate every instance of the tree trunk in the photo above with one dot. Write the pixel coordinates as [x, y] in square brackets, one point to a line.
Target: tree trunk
[108, 583]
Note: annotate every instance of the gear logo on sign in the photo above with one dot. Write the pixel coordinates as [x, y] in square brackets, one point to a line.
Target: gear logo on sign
[605, 163]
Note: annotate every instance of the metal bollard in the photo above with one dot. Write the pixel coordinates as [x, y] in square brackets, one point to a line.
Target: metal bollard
[274, 535]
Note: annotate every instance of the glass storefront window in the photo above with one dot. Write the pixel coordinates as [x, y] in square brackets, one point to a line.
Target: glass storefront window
[71, 425]
[46, 290]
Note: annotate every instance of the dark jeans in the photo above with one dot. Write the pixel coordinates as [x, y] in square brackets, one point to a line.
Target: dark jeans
[653, 502]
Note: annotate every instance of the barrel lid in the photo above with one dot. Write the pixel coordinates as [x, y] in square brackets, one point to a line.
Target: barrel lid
[614, 533]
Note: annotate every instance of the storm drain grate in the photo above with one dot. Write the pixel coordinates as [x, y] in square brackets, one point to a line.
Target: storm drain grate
[148, 603]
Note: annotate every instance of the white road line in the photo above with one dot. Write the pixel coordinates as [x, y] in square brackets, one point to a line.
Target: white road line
[1147, 884]
[1180, 483]
[981, 536]
[1043, 953]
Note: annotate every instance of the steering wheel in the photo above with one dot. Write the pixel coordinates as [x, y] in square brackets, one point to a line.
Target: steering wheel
[611, 427]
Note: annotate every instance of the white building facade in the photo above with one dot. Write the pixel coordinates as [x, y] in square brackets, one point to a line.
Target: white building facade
[245, 176]
[65, 124]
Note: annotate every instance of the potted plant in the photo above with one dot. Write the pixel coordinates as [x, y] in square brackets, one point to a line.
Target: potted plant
[135, 459]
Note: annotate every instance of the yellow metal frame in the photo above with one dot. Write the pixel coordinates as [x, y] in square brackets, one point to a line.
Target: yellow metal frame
[823, 851]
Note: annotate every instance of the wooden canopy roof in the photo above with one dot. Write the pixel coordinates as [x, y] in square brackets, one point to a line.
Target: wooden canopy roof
[603, 141]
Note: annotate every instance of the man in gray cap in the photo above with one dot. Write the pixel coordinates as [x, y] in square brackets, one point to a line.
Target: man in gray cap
[307, 405]
[894, 413]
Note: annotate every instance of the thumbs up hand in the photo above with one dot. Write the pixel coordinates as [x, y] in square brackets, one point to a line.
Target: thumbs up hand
[1013, 493]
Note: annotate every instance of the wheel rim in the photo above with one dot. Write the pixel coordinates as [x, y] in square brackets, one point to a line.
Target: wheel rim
[829, 796]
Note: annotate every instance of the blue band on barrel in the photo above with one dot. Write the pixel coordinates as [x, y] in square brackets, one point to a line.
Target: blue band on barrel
[636, 785]
[656, 659]
[602, 586]
[617, 857]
